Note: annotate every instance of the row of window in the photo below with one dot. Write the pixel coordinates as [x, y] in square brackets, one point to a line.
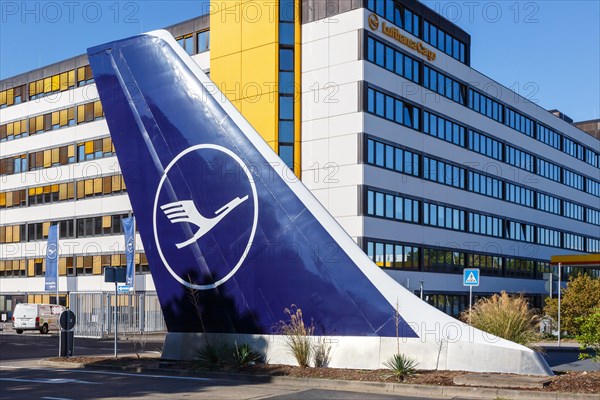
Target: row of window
[390, 107]
[195, 43]
[389, 57]
[47, 86]
[395, 255]
[68, 228]
[443, 129]
[393, 109]
[57, 156]
[401, 208]
[411, 22]
[393, 60]
[395, 158]
[112, 184]
[53, 120]
[71, 266]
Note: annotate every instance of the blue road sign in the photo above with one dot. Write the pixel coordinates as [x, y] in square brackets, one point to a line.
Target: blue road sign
[471, 277]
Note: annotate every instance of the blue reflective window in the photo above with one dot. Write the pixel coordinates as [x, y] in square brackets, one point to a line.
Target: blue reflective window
[286, 60]
[203, 41]
[286, 152]
[286, 131]
[286, 10]
[286, 107]
[286, 82]
[286, 33]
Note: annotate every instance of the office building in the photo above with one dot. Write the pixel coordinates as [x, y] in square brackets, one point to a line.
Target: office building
[430, 165]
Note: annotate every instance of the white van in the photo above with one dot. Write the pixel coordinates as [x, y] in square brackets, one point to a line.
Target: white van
[40, 317]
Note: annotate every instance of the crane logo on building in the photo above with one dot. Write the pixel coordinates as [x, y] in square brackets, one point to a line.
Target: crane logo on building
[373, 22]
[395, 34]
[204, 232]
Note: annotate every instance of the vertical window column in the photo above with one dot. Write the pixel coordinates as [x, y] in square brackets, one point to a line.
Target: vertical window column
[286, 81]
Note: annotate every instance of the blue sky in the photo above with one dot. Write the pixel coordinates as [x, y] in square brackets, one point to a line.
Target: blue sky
[548, 51]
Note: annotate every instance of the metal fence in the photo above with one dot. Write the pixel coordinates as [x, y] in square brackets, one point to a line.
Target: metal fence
[136, 313]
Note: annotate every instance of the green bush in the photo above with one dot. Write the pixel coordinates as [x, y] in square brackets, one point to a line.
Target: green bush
[297, 335]
[401, 366]
[211, 357]
[506, 316]
[589, 336]
[244, 355]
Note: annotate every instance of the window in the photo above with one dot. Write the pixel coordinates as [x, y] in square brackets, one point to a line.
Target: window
[393, 60]
[392, 206]
[443, 41]
[187, 43]
[573, 148]
[548, 136]
[489, 265]
[591, 186]
[89, 112]
[392, 109]
[516, 267]
[12, 96]
[203, 38]
[573, 179]
[485, 105]
[100, 186]
[519, 195]
[591, 157]
[13, 130]
[519, 158]
[95, 149]
[13, 165]
[53, 84]
[13, 233]
[84, 75]
[573, 242]
[519, 231]
[548, 170]
[390, 157]
[485, 224]
[593, 216]
[393, 255]
[548, 237]
[443, 216]
[485, 145]
[16, 198]
[519, 122]
[441, 260]
[548, 203]
[444, 85]
[441, 172]
[442, 128]
[573, 210]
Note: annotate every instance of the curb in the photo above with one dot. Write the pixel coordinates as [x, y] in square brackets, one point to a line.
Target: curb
[344, 385]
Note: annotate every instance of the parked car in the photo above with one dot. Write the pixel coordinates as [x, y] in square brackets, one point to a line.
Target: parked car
[40, 317]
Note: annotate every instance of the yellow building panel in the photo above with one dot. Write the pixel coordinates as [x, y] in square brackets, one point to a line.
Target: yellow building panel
[225, 29]
[259, 24]
[226, 73]
[260, 77]
[262, 115]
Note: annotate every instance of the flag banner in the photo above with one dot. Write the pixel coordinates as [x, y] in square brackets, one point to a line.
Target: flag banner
[129, 231]
[52, 259]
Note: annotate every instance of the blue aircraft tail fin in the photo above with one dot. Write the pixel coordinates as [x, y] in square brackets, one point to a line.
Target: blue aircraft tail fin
[233, 239]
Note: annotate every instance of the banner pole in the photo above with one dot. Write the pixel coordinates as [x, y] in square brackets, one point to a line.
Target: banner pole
[57, 259]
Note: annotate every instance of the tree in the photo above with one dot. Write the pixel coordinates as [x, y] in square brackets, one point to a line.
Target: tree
[578, 300]
[589, 336]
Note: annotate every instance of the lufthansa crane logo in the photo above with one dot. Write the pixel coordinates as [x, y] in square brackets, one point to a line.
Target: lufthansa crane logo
[214, 212]
[51, 251]
[373, 22]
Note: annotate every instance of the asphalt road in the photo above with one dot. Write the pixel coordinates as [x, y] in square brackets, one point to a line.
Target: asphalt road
[21, 377]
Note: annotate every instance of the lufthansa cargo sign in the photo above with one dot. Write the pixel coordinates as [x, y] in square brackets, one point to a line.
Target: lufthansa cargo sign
[395, 34]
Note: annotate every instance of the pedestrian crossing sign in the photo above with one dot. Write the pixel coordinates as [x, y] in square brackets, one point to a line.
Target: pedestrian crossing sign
[471, 277]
